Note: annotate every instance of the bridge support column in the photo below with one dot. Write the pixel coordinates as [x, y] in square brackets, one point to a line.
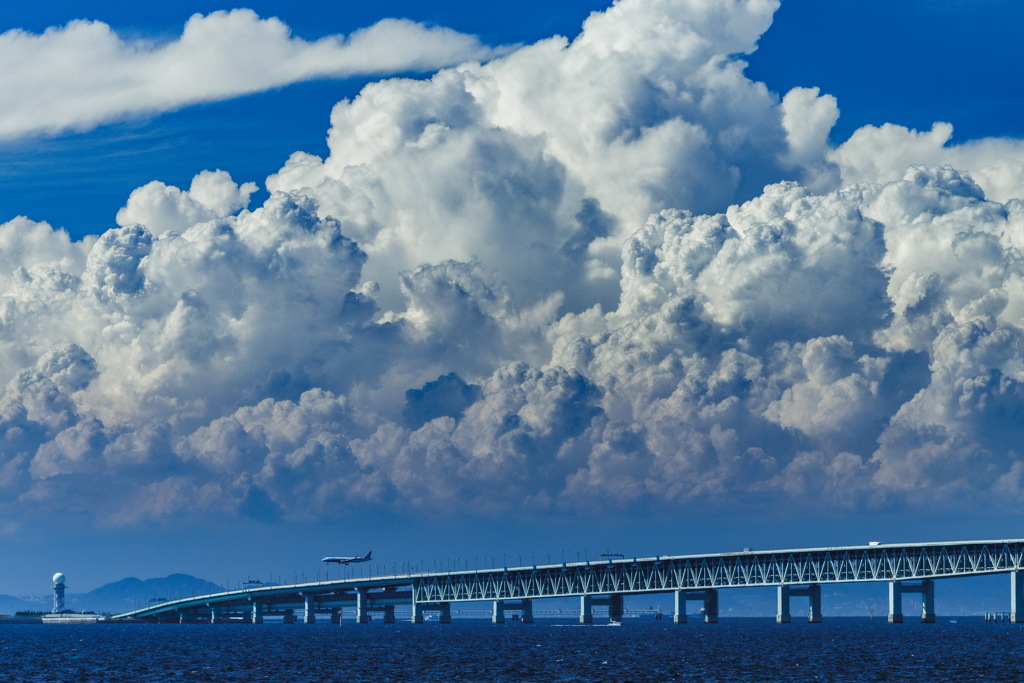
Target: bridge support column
[444, 609]
[389, 614]
[586, 609]
[895, 602]
[214, 614]
[812, 592]
[1016, 597]
[362, 603]
[711, 606]
[679, 607]
[309, 617]
[615, 608]
[336, 615]
[498, 612]
[782, 616]
[927, 601]
[709, 597]
[926, 589]
[524, 607]
[289, 616]
[257, 611]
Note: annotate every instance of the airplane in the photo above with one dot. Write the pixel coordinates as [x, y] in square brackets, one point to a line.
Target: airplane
[348, 560]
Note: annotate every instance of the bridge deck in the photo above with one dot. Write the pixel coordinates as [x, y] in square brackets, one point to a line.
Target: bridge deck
[659, 574]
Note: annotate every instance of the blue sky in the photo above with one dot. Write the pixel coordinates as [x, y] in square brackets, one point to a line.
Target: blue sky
[444, 337]
[861, 53]
[249, 136]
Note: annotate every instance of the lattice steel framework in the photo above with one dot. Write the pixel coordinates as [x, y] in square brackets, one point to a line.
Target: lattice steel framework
[640, 575]
[775, 568]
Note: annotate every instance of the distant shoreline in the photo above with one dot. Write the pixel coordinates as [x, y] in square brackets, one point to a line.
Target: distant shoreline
[56, 619]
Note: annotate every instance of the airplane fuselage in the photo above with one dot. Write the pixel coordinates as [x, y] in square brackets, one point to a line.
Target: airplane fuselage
[348, 560]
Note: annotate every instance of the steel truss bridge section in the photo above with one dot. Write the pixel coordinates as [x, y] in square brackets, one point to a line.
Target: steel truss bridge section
[729, 570]
[690, 576]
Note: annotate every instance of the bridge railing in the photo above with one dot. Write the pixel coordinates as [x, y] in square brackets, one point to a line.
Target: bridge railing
[890, 562]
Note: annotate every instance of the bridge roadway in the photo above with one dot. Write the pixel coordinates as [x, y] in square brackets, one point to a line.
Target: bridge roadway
[907, 568]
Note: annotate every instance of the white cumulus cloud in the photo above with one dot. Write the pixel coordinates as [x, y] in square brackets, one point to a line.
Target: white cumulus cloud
[883, 153]
[589, 274]
[84, 74]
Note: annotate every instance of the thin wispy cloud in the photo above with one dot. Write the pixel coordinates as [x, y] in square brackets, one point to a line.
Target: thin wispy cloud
[84, 74]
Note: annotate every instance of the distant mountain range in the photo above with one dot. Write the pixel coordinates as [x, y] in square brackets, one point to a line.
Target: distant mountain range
[120, 596]
[131, 593]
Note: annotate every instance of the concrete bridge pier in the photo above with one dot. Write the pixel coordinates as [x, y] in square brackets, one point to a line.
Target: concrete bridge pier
[895, 603]
[1017, 597]
[615, 607]
[711, 607]
[588, 602]
[928, 602]
[526, 609]
[926, 588]
[786, 593]
[445, 609]
[214, 614]
[289, 616]
[679, 608]
[389, 614]
[524, 606]
[586, 609]
[708, 597]
[336, 615]
[257, 611]
[362, 605]
[309, 603]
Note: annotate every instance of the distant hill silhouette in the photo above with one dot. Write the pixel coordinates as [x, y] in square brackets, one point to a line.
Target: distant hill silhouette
[10, 604]
[131, 593]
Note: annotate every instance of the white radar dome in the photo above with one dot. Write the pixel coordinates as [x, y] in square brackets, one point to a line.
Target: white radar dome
[58, 579]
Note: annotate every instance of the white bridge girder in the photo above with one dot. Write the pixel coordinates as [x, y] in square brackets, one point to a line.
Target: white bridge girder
[881, 563]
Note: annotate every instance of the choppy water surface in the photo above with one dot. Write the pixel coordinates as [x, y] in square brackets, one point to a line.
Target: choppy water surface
[734, 650]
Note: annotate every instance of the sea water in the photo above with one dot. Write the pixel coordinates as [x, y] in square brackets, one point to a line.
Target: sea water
[840, 649]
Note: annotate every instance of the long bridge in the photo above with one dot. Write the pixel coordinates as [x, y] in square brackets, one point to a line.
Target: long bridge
[907, 568]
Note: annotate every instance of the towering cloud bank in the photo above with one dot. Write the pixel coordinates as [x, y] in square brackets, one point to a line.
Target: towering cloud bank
[559, 149]
[588, 273]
